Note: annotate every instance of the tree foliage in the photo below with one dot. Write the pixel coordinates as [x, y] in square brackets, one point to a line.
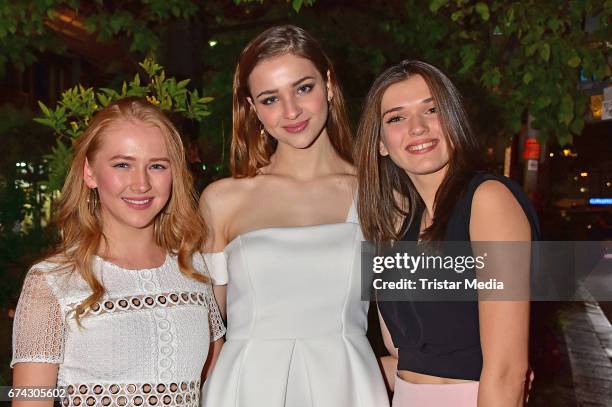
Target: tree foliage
[515, 55]
[530, 55]
[77, 105]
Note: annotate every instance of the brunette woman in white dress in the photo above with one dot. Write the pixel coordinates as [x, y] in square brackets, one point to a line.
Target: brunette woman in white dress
[285, 241]
[123, 311]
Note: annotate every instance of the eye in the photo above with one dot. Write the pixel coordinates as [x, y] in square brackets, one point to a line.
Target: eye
[158, 166]
[268, 101]
[432, 110]
[394, 119]
[306, 88]
[121, 165]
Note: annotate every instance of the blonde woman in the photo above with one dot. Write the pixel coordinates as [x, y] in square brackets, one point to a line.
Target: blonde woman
[122, 312]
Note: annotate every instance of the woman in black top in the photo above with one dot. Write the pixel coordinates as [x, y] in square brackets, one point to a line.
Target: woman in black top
[419, 180]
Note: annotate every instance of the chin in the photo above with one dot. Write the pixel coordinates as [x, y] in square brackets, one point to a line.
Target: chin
[140, 222]
[425, 169]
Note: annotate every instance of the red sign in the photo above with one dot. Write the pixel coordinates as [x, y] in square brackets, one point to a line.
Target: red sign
[532, 149]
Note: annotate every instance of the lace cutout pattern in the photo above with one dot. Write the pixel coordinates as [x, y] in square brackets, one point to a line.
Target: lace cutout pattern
[216, 327]
[38, 331]
[137, 302]
[184, 394]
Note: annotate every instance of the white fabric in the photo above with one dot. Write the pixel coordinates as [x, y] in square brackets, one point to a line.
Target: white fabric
[217, 267]
[296, 323]
[152, 326]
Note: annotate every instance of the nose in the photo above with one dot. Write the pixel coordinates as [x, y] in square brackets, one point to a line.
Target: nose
[418, 126]
[140, 181]
[291, 108]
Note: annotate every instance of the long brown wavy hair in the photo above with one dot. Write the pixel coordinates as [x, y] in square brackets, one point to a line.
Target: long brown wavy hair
[178, 228]
[387, 196]
[249, 151]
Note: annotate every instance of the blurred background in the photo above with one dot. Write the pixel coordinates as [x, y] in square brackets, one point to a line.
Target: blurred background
[535, 76]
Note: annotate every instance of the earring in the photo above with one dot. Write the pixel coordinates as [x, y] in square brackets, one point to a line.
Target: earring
[262, 133]
[92, 200]
[329, 98]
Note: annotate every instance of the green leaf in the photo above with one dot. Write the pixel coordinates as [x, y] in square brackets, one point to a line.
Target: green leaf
[297, 5]
[206, 99]
[545, 52]
[468, 58]
[564, 137]
[435, 5]
[566, 109]
[45, 122]
[457, 15]
[483, 10]
[554, 24]
[527, 78]
[542, 102]
[574, 61]
[44, 109]
[577, 125]
[510, 15]
[530, 50]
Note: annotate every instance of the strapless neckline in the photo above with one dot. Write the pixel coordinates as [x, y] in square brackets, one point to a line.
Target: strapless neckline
[283, 228]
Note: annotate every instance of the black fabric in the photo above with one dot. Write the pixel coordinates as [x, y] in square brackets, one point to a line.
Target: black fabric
[443, 338]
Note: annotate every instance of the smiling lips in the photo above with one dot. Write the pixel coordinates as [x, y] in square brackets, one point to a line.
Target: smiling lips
[142, 203]
[423, 147]
[296, 128]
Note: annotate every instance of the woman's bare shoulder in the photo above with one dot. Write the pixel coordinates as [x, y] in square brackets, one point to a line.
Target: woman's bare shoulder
[220, 199]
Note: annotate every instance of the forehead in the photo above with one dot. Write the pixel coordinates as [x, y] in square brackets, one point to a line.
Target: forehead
[405, 93]
[279, 71]
[133, 138]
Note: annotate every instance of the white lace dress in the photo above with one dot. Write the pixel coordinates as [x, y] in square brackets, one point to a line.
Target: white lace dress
[144, 343]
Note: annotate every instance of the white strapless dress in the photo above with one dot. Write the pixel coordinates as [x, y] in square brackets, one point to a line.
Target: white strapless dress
[296, 326]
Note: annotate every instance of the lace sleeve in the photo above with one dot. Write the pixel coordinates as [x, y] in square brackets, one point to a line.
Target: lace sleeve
[216, 327]
[217, 267]
[38, 329]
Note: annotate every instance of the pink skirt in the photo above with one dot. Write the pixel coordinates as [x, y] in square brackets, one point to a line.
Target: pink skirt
[434, 395]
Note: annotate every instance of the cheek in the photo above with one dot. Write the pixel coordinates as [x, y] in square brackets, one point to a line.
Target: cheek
[110, 182]
[317, 103]
[269, 115]
[163, 182]
[392, 136]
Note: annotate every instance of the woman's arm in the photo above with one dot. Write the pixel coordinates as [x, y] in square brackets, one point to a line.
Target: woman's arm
[388, 363]
[38, 337]
[216, 203]
[504, 325]
[34, 375]
[211, 359]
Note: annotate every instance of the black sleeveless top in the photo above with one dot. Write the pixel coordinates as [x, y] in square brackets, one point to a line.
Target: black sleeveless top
[443, 338]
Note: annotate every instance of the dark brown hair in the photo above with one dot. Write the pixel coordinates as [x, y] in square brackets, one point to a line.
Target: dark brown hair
[386, 194]
[249, 151]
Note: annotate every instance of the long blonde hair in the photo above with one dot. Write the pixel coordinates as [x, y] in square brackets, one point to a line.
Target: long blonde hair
[178, 228]
[249, 151]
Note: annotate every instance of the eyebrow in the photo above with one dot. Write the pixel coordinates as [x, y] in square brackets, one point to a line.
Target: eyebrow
[272, 91]
[398, 108]
[130, 158]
